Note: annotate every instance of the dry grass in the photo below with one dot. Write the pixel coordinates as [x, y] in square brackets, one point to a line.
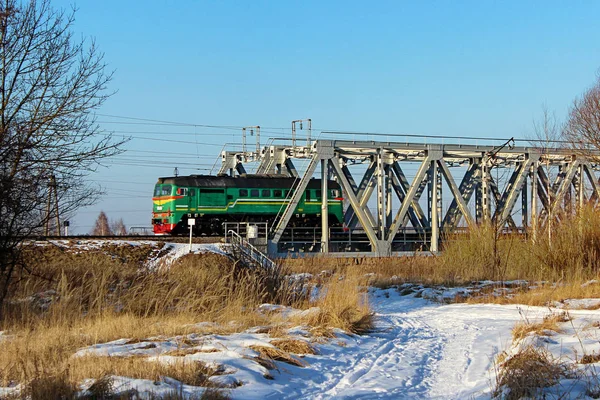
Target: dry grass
[386, 271]
[194, 373]
[525, 373]
[590, 358]
[60, 387]
[544, 294]
[266, 356]
[69, 300]
[294, 346]
[99, 297]
[570, 254]
[187, 352]
[343, 304]
[558, 264]
[549, 323]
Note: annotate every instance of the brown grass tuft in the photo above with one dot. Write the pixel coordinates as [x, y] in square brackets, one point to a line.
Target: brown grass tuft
[590, 358]
[295, 346]
[321, 334]
[102, 388]
[523, 374]
[550, 322]
[187, 352]
[270, 354]
[193, 373]
[343, 304]
[50, 387]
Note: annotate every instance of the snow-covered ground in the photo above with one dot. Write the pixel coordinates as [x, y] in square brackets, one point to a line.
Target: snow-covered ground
[421, 349]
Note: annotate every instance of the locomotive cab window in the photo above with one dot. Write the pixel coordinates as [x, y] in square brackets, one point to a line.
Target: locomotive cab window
[308, 195]
[182, 191]
[254, 193]
[266, 193]
[335, 193]
[166, 190]
[157, 191]
[243, 192]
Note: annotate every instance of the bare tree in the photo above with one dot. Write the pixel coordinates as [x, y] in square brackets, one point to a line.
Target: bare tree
[583, 126]
[50, 85]
[548, 131]
[102, 227]
[118, 227]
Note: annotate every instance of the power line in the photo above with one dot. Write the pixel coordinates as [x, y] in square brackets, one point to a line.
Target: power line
[166, 140]
[153, 165]
[171, 152]
[169, 122]
[114, 211]
[123, 182]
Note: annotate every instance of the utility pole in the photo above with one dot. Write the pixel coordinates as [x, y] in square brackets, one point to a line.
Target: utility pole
[52, 191]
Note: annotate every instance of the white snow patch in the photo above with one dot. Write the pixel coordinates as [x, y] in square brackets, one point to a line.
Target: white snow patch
[178, 250]
[573, 304]
[578, 337]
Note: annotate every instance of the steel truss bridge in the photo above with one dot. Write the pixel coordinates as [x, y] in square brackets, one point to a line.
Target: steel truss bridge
[388, 211]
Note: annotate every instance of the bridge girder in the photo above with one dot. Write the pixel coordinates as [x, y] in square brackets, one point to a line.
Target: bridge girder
[526, 175]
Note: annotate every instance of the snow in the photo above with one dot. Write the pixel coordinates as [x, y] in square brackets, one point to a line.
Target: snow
[420, 349]
[573, 304]
[173, 250]
[178, 250]
[93, 244]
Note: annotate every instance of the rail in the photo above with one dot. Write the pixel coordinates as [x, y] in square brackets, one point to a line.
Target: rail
[247, 253]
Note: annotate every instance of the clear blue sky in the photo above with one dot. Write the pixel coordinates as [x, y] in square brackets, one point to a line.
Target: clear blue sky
[465, 68]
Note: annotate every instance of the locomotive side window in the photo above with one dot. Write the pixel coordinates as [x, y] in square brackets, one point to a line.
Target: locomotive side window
[166, 190]
[182, 191]
[254, 193]
[319, 194]
[308, 195]
[266, 193]
[243, 193]
[277, 193]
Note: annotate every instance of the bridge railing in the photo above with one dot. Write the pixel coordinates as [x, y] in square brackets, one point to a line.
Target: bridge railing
[247, 253]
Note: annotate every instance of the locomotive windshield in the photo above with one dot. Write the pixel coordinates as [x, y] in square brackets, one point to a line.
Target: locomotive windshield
[162, 190]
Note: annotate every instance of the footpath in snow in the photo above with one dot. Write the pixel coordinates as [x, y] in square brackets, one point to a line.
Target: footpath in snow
[420, 349]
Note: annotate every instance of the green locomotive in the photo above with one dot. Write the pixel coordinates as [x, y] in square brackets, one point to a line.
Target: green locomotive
[214, 200]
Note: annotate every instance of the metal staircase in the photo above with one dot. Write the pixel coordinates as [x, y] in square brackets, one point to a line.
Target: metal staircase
[249, 255]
